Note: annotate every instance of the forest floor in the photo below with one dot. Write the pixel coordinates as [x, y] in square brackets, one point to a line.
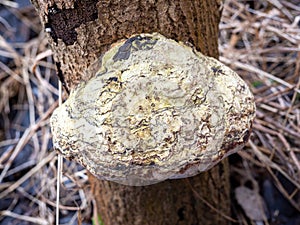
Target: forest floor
[260, 40]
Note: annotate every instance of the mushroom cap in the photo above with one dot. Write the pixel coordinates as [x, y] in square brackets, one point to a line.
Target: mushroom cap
[155, 109]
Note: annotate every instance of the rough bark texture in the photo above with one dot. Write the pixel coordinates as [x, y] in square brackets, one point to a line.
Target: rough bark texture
[170, 202]
[79, 32]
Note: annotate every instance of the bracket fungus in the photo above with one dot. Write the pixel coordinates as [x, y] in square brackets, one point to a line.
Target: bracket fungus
[155, 109]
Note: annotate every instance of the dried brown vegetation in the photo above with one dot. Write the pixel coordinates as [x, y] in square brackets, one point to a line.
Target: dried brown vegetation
[258, 39]
[261, 41]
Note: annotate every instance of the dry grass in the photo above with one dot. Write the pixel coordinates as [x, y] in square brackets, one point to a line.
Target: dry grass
[28, 96]
[260, 40]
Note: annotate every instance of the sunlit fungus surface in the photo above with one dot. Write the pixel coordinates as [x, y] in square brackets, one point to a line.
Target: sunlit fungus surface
[155, 109]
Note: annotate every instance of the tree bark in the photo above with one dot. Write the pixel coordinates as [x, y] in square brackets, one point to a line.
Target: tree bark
[79, 32]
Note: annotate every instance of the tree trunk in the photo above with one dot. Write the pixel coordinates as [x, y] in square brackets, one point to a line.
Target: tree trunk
[79, 32]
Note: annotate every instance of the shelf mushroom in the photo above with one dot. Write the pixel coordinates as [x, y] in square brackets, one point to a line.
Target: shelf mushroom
[155, 109]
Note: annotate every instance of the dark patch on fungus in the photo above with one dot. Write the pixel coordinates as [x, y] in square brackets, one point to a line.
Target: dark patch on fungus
[135, 43]
[217, 70]
[115, 79]
[151, 163]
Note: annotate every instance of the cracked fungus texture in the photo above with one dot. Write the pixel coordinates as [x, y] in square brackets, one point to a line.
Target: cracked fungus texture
[156, 109]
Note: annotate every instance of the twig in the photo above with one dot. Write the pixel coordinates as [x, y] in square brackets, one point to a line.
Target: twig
[30, 219]
[27, 175]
